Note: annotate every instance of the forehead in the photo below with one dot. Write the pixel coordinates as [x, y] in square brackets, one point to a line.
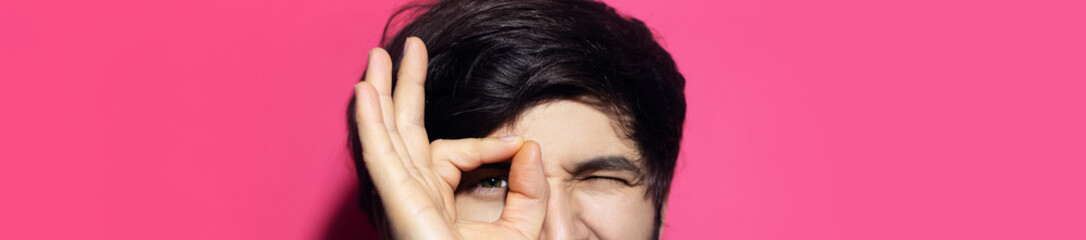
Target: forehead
[570, 132]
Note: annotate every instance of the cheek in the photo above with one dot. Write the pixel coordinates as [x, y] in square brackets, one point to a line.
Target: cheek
[479, 209]
[625, 214]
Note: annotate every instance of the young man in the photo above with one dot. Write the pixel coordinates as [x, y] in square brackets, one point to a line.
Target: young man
[511, 119]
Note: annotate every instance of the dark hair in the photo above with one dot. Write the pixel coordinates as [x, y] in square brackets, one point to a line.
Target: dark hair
[492, 59]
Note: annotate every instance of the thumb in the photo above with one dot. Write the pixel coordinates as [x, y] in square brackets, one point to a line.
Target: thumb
[526, 203]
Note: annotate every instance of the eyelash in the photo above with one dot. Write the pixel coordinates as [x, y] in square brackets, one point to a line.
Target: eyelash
[478, 187]
[503, 183]
[619, 180]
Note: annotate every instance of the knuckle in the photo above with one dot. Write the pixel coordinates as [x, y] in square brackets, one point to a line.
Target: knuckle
[407, 74]
[439, 148]
[371, 154]
[482, 145]
[439, 142]
[408, 120]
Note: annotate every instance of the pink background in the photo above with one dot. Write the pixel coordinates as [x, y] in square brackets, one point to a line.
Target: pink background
[808, 119]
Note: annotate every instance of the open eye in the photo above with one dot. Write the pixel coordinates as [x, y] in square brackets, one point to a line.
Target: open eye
[493, 182]
[490, 188]
[490, 182]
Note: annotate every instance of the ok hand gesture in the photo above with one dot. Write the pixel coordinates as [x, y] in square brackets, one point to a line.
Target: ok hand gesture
[417, 179]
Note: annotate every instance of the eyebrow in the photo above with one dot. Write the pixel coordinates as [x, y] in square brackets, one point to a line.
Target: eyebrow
[606, 163]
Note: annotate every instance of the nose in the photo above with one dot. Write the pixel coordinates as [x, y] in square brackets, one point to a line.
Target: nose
[562, 220]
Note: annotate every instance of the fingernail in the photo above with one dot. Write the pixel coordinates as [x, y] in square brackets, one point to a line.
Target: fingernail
[406, 45]
[369, 59]
[512, 138]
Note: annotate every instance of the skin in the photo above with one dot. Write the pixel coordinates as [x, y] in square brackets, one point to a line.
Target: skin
[584, 202]
[574, 188]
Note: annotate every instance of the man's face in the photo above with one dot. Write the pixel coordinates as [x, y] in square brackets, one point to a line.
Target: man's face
[592, 171]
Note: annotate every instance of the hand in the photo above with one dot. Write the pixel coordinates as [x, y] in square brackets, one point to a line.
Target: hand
[417, 179]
